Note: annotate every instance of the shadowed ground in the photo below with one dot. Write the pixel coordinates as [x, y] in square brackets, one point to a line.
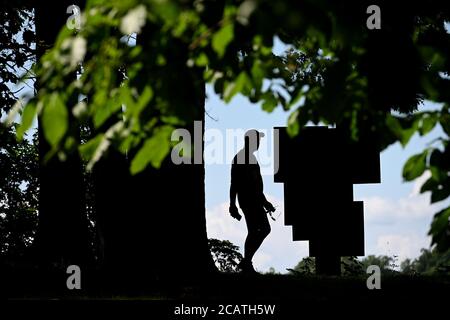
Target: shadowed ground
[31, 284]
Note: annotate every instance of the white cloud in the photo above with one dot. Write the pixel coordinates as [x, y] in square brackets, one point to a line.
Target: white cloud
[397, 227]
[382, 210]
[221, 225]
[401, 245]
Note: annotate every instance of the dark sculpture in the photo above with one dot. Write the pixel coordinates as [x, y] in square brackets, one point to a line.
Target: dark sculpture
[318, 168]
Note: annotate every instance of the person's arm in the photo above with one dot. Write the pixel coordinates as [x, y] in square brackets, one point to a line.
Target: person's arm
[233, 208]
[232, 195]
[267, 205]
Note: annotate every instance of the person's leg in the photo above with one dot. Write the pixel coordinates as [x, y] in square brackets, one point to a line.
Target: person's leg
[252, 243]
[257, 238]
[258, 227]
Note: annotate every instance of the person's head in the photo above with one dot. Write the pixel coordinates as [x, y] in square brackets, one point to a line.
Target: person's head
[252, 139]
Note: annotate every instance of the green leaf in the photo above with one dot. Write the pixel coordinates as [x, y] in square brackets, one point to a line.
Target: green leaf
[415, 166]
[105, 111]
[145, 97]
[437, 159]
[440, 224]
[441, 192]
[168, 10]
[428, 122]
[202, 60]
[27, 119]
[154, 150]
[128, 143]
[403, 129]
[429, 185]
[406, 135]
[235, 87]
[55, 119]
[257, 74]
[394, 125]
[222, 38]
[296, 97]
[438, 174]
[88, 149]
[293, 123]
[270, 102]
[445, 123]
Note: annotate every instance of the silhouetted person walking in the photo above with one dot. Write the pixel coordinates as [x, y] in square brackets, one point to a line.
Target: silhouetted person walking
[247, 184]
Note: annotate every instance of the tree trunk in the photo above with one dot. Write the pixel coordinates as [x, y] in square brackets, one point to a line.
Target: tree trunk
[153, 224]
[63, 235]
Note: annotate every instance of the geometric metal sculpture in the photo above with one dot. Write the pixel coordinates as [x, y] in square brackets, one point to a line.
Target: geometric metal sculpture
[318, 168]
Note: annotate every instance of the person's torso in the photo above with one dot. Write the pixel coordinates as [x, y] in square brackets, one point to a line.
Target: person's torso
[248, 181]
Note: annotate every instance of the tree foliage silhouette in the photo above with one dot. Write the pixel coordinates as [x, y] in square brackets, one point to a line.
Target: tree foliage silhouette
[19, 188]
[225, 254]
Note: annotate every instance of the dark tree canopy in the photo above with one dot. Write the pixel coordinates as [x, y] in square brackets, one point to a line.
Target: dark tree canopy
[17, 43]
